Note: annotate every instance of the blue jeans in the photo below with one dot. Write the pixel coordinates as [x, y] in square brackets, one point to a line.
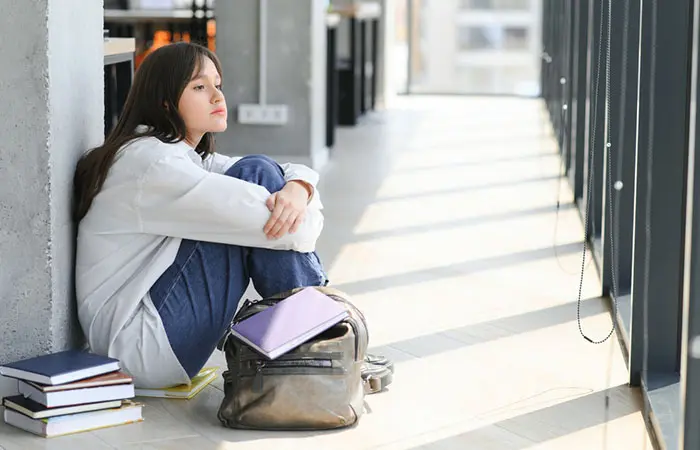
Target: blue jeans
[198, 294]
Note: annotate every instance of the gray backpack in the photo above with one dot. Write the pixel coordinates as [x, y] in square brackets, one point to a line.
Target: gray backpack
[316, 386]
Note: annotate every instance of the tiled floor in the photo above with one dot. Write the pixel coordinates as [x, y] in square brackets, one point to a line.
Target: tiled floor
[441, 223]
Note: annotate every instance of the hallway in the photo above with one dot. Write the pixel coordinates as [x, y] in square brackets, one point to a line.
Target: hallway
[446, 241]
[441, 223]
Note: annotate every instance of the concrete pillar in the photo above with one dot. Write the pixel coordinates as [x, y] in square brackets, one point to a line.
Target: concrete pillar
[51, 110]
[440, 41]
[386, 91]
[295, 77]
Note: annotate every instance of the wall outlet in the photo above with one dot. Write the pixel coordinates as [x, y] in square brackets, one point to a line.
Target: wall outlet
[263, 114]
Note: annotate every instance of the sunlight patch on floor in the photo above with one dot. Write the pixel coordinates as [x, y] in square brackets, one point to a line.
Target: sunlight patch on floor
[445, 208]
[470, 248]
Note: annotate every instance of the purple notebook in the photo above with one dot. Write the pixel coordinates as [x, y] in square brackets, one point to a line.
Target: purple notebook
[289, 323]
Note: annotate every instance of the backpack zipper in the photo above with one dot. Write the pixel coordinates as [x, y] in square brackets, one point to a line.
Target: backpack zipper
[260, 366]
[295, 363]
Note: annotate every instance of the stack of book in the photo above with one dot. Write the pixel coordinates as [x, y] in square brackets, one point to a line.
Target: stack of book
[69, 392]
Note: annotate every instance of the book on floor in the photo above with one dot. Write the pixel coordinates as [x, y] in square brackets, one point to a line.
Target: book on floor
[183, 391]
[128, 412]
[52, 398]
[60, 368]
[108, 379]
[36, 410]
[290, 322]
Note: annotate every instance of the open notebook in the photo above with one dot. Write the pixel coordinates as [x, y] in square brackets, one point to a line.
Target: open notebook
[184, 391]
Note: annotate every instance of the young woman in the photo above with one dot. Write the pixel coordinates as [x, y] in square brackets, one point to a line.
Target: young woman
[170, 233]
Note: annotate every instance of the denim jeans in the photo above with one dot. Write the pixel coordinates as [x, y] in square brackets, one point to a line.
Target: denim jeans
[199, 293]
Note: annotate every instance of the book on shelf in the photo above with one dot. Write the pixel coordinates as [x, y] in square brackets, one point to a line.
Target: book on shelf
[183, 391]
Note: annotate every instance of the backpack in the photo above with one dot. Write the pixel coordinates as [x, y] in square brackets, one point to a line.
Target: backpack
[316, 386]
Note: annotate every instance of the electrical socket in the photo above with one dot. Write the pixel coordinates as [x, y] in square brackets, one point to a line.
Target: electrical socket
[252, 114]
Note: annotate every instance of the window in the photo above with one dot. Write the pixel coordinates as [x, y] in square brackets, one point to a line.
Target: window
[488, 37]
[496, 4]
[478, 79]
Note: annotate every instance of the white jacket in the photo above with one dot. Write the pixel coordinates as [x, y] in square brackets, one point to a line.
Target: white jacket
[155, 195]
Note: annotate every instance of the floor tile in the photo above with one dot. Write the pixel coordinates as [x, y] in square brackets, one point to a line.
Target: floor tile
[198, 443]
[442, 225]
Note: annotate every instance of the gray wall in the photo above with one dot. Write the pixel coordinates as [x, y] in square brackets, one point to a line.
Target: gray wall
[296, 64]
[51, 110]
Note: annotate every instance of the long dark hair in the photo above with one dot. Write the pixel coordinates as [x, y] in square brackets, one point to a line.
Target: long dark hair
[152, 101]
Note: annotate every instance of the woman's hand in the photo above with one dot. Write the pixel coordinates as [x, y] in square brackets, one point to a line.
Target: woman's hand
[288, 208]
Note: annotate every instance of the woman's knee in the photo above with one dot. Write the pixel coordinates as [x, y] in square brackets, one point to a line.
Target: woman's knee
[259, 169]
[258, 159]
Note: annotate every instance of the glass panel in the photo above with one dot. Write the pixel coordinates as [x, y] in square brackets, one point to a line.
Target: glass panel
[495, 4]
[492, 38]
[397, 66]
[495, 80]
[479, 78]
[474, 46]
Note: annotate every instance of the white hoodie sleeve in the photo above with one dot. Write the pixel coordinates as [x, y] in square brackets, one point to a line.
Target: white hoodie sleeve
[218, 163]
[180, 199]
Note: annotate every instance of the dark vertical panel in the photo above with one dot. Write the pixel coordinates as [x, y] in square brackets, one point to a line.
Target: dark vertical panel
[620, 162]
[689, 437]
[595, 116]
[662, 140]
[578, 87]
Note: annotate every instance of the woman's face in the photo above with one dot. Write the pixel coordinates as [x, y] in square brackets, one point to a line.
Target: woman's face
[202, 104]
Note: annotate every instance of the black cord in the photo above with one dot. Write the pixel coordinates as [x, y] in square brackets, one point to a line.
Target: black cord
[591, 165]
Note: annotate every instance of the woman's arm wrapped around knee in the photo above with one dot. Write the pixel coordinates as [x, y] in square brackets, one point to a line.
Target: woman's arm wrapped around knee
[181, 200]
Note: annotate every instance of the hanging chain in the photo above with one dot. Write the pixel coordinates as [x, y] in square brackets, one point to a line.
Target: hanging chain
[591, 166]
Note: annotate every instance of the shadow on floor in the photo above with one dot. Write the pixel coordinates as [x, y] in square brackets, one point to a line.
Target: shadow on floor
[559, 420]
[480, 162]
[483, 332]
[458, 269]
[461, 223]
[472, 188]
